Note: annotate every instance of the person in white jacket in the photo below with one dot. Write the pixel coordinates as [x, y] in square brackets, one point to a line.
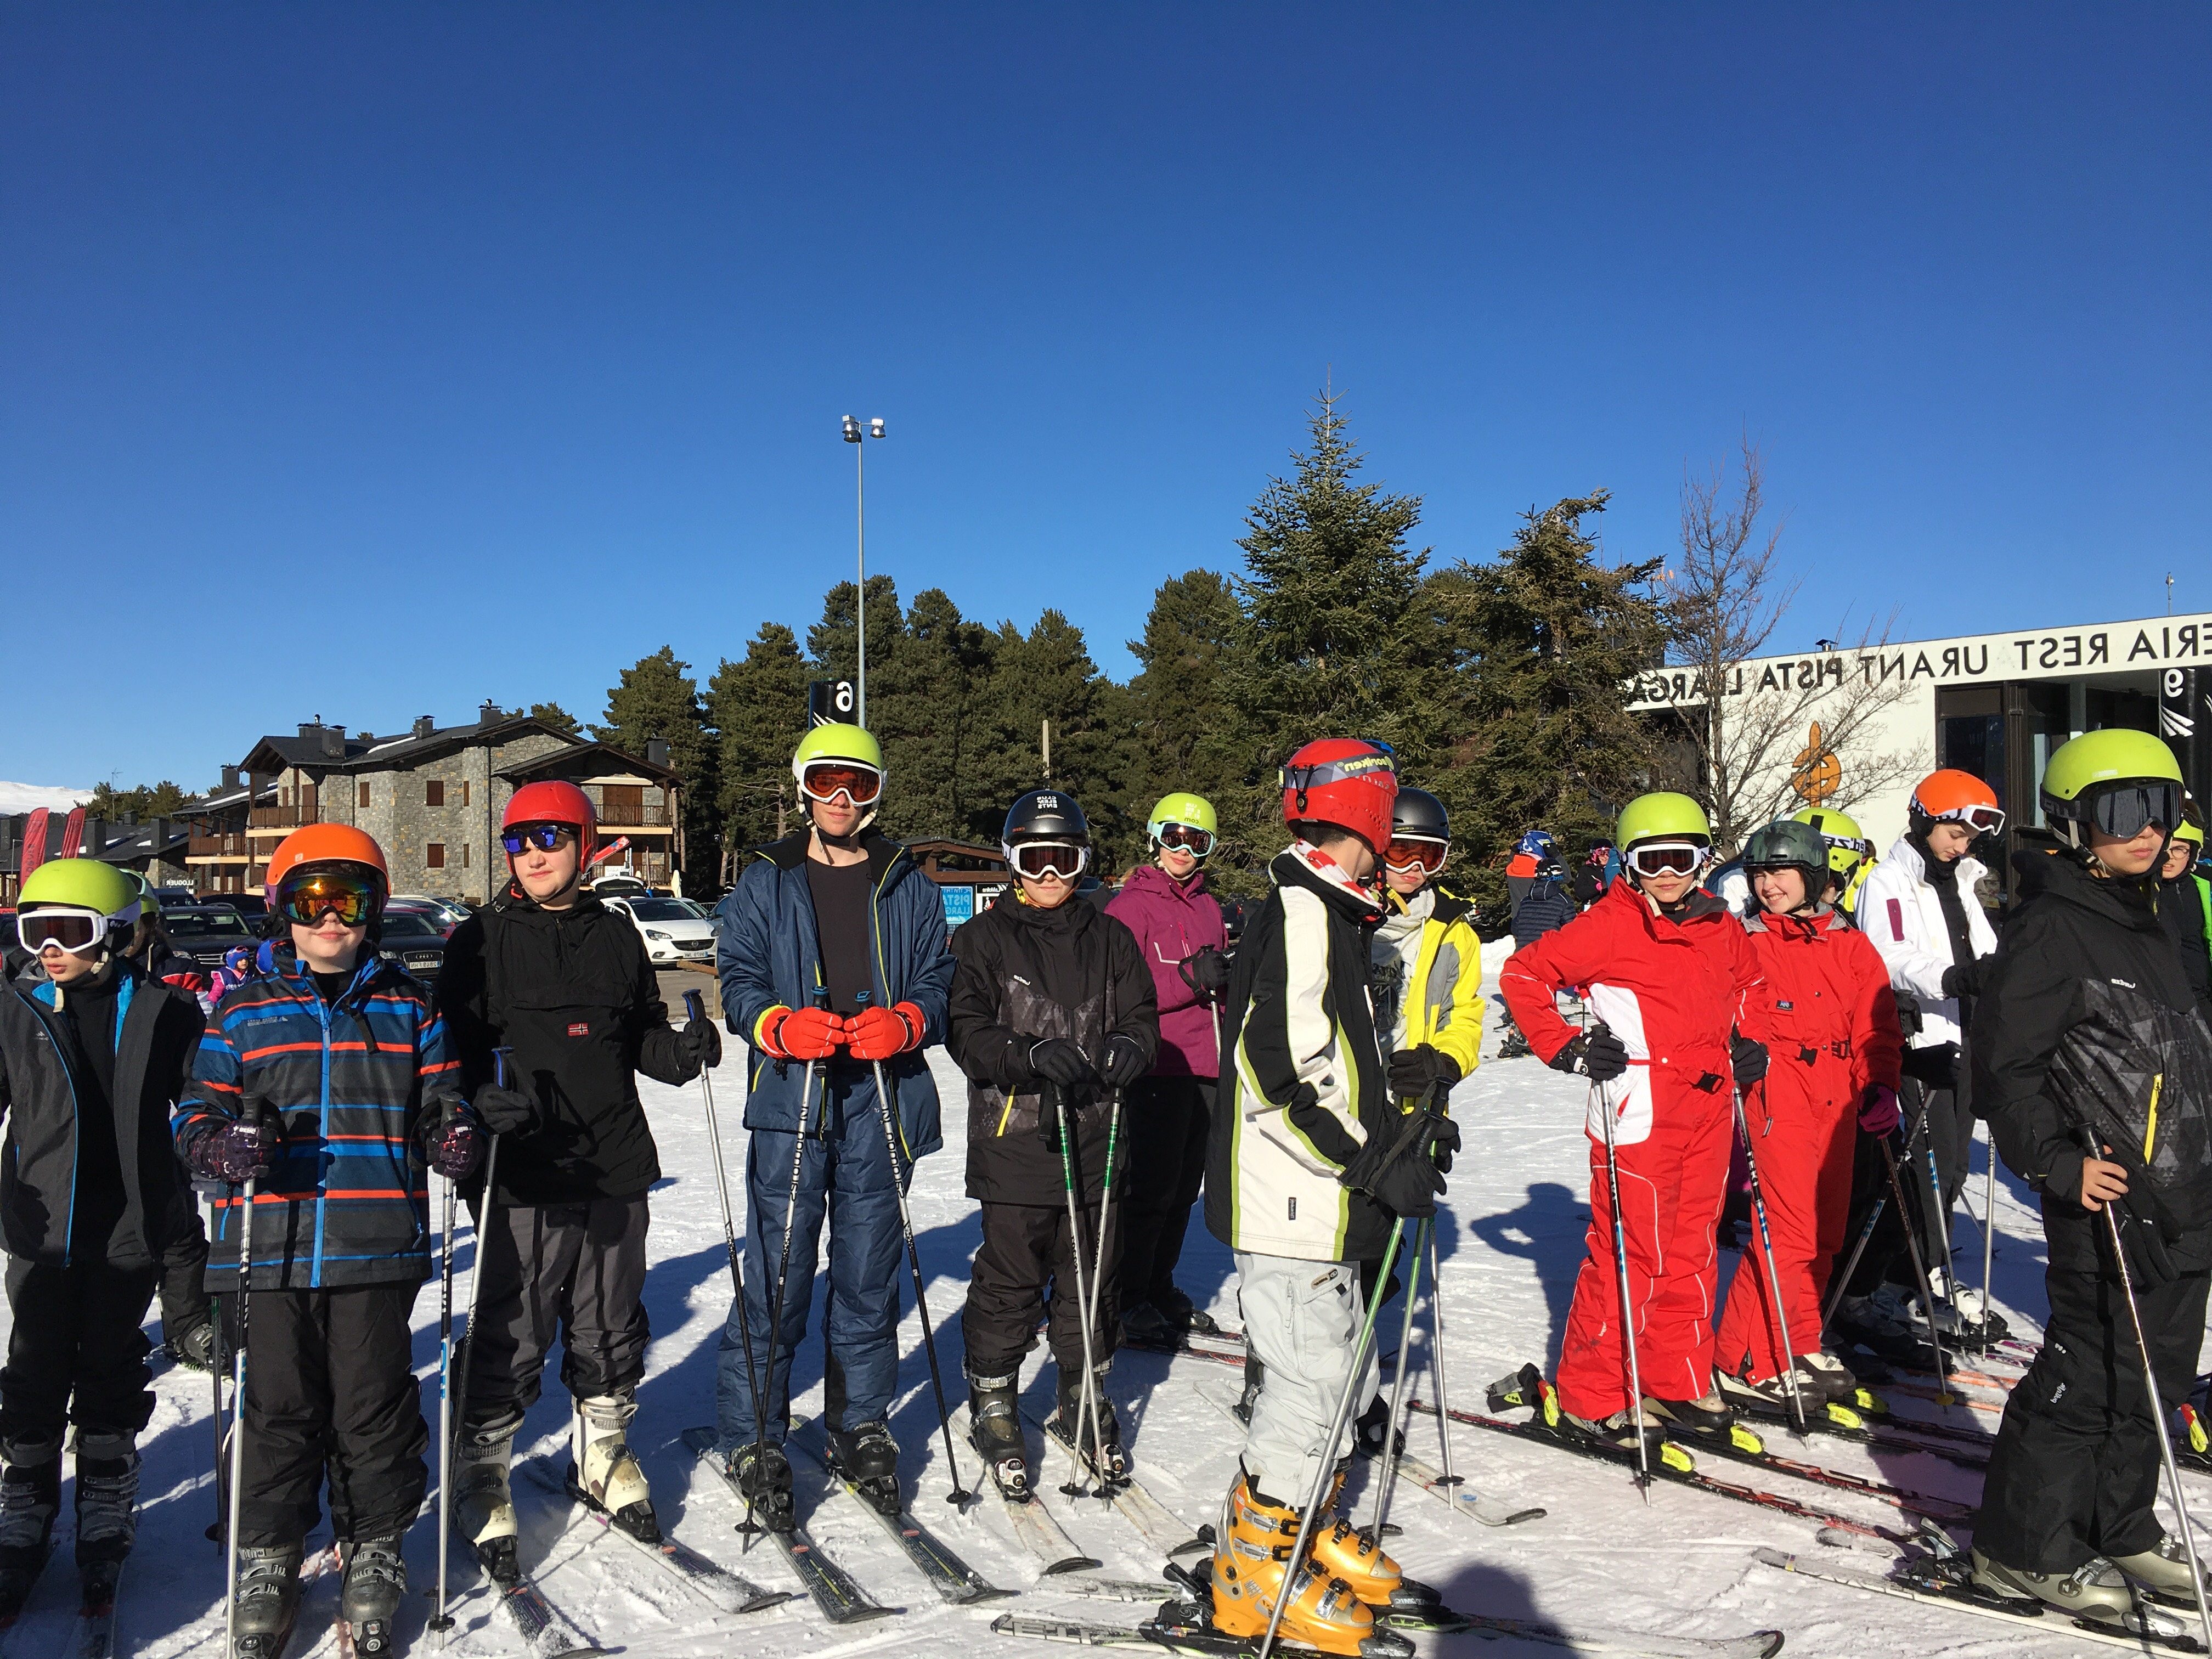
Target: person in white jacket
[1919, 907]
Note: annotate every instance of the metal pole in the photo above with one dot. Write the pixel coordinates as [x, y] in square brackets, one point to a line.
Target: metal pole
[1773, 1280]
[1627, 1312]
[1436, 1355]
[860, 531]
[1389, 1459]
[1989, 1227]
[1085, 1408]
[1838, 1281]
[783, 1268]
[1098, 1273]
[696, 1006]
[238, 1408]
[1920, 1272]
[441, 1620]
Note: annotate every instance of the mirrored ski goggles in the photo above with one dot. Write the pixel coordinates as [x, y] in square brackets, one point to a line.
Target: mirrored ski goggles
[543, 836]
[75, 931]
[1336, 771]
[1405, 854]
[1666, 858]
[1189, 836]
[307, 896]
[824, 781]
[2124, 810]
[1039, 859]
[1982, 820]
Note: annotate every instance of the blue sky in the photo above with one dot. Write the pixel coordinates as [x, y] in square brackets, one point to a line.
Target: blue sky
[372, 361]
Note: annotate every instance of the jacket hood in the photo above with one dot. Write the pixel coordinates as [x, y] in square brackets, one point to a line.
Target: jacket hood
[516, 903]
[1905, 852]
[1150, 879]
[2049, 870]
[283, 962]
[1301, 864]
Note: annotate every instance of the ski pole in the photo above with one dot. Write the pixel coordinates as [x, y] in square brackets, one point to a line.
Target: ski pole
[1437, 1356]
[1920, 1272]
[1596, 1096]
[1766, 1253]
[1328, 1464]
[238, 1402]
[1098, 1273]
[1989, 1225]
[2091, 1149]
[218, 1362]
[959, 1496]
[1838, 1282]
[1389, 1458]
[696, 1006]
[503, 1068]
[441, 1620]
[783, 1267]
[1086, 1407]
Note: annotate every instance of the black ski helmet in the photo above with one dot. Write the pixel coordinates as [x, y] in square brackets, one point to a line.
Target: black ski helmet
[1417, 815]
[1786, 844]
[1045, 815]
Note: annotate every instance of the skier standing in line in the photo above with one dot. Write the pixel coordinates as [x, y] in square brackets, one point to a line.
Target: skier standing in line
[1309, 1163]
[1051, 1002]
[1834, 1044]
[93, 1054]
[2086, 1021]
[1679, 996]
[1919, 907]
[833, 961]
[2185, 906]
[1850, 855]
[548, 972]
[1179, 927]
[328, 1079]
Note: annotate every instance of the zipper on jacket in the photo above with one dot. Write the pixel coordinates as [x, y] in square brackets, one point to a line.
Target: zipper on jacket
[323, 1012]
[896, 1119]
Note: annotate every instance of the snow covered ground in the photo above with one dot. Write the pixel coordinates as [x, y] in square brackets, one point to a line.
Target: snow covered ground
[1511, 1239]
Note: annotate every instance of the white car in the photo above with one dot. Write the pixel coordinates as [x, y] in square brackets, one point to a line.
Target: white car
[671, 932]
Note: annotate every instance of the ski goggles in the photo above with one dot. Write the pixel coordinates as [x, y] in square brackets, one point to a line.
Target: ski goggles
[824, 781]
[1314, 776]
[543, 836]
[307, 896]
[2124, 810]
[1667, 858]
[1037, 859]
[1189, 836]
[1982, 820]
[75, 931]
[1405, 854]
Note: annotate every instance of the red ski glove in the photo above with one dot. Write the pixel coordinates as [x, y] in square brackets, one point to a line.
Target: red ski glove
[801, 1033]
[882, 1033]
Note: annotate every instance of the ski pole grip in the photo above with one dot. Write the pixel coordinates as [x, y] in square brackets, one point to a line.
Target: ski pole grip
[695, 1005]
[502, 1066]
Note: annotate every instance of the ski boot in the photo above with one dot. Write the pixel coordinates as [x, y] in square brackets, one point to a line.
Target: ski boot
[994, 1429]
[1769, 1396]
[1369, 1428]
[1256, 1379]
[1184, 1315]
[483, 1504]
[2162, 1573]
[268, 1600]
[375, 1585]
[1973, 1323]
[107, 1497]
[1355, 1555]
[1098, 1446]
[194, 1346]
[1527, 1388]
[1831, 1376]
[603, 1471]
[2096, 1590]
[1250, 1566]
[868, 1458]
[1143, 1325]
[30, 1498]
[1710, 1417]
[763, 1473]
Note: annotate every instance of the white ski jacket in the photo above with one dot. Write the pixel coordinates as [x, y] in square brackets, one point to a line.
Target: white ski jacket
[1904, 917]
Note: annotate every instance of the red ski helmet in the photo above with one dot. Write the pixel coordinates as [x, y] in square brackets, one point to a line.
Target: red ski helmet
[1351, 782]
[555, 801]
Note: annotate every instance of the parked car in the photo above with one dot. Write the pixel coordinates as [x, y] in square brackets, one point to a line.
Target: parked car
[618, 881]
[415, 941]
[254, 906]
[206, 934]
[451, 910]
[671, 932]
[176, 898]
[430, 910]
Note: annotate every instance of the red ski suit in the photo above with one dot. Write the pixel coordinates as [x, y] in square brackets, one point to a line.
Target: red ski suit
[1834, 1032]
[1673, 991]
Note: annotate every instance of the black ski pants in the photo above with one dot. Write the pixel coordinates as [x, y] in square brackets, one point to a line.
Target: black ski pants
[1027, 1246]
[330, 1387]
[1167, 1120]
[76, 1353]
[1950, 1131]
[2076, 1469]
[576, 1269]
[184, 1280]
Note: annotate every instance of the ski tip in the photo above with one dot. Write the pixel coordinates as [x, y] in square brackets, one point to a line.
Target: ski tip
[1073, 1564]
[1773, 1558]
[1770, 1643]
[1518, 1515]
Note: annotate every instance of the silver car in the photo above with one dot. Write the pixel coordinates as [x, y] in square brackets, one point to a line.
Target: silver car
[672, 930]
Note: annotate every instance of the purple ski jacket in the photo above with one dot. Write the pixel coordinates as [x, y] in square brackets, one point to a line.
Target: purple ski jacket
[1174, 922]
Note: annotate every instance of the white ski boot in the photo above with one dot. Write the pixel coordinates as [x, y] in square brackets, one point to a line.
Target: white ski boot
[1831, 1376]
[2162, 1571]
[107, 1496]
[603, 1473]
[482, 1501]
[2096, 1590]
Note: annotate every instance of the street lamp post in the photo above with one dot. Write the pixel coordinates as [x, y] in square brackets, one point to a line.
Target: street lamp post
[854, 433]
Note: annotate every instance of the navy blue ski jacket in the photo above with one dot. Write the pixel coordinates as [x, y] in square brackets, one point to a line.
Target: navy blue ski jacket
[770, 954]
[356, 1086]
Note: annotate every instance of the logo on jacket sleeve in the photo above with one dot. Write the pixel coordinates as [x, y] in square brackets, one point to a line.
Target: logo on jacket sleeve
[579, 1028]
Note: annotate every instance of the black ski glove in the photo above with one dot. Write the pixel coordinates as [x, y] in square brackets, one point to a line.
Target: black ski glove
[1747, 1056]
[1125, 1062]
[701, 1044]
[1964, 979]
[1058, 1061]
[1398, 1173]
[505, 1111]
[1908, 1012]
[1206, 972]
[1414, 1072]
[1597, 1055]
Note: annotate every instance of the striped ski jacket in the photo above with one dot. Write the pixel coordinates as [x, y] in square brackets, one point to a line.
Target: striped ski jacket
[356, 1086]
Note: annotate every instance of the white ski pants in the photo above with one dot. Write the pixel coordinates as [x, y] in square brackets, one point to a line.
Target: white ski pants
[1301, 1318]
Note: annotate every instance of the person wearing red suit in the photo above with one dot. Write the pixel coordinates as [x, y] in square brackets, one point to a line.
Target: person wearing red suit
[1836, 1045]
[1677, 992]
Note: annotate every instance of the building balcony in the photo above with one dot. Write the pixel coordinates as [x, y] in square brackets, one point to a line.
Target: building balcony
[267, 820]
[629, 820]
[217, 849]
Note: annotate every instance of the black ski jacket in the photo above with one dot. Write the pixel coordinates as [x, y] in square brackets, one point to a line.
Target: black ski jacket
[572, 992]
[2086, 1018]
[1025, 974]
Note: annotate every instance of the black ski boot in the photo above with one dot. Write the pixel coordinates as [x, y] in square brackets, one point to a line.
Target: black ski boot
[763, 1475]
[1185, 1315]
[106, 1497]
[994, 1429]
[1098, 1444]
[1710, 1417]
[375, 1585]
[268, 1600]
[1256, 1379]
[193, 1345]
[1369, 1428]
[30, 1498]
[868, 1457]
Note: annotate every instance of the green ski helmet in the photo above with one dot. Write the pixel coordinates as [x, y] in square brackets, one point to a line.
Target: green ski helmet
[1786, 844]
[1661, 814]
[81, 883]
[2117, 778]
[1184, 808]
[841, 748]
[1847, 844]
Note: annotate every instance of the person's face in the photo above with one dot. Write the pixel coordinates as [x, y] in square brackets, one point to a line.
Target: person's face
[1781, 892]
[328, 946]
[1949, 841]
[2131, 857]
[838, 818]
[1406, 880]
[1047, 892]
[1178, 861]
[67, 967]
[2178, 858]
[545, 873]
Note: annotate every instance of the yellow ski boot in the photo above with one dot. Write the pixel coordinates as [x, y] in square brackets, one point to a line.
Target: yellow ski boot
[1356, 1556]
[1251, 1554]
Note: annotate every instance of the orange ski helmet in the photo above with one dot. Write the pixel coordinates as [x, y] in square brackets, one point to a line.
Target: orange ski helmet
[326, 843]
[554, 801]
[1952, 796]
[1351, 782]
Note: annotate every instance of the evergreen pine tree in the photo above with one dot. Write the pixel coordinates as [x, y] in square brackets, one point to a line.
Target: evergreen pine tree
[557, 717]
[923, 703]
[658, 698]
[758, 706]
[1180, 725]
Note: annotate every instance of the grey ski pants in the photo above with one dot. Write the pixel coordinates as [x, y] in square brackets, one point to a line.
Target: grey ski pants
[578, 1269]
[1301, 1319]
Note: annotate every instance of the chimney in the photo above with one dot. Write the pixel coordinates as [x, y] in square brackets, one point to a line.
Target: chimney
[309, 728]
[424, 726]
[489, 712]
[656, 751]
[160, 832]
[334, 742]
[230, 777]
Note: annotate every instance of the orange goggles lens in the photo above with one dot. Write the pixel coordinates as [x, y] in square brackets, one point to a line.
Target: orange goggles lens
[826, 781]
[1405, 854]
